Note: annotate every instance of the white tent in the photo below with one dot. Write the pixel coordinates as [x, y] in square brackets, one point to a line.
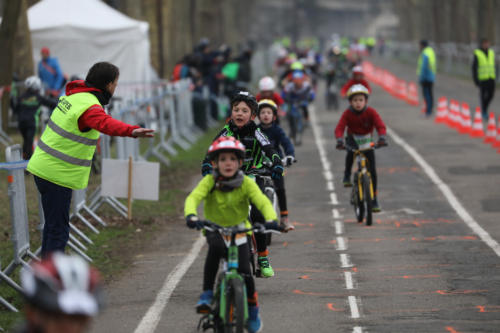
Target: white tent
[82, 32]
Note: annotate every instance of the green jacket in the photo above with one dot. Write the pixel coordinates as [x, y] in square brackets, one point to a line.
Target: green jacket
[228, 209]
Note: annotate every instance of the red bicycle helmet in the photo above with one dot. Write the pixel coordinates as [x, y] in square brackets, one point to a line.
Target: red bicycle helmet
[62, 284]
[226, 144]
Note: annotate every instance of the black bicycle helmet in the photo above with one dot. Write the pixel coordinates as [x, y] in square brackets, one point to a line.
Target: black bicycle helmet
[248, 98]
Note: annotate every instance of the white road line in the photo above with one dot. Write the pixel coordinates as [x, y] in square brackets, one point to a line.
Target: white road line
[153, 315]
[341, 244]
[333, 198]
[328, 175]
[339, 228]
[335, 214]
[345, 261]
[357, 329]
[445, 189]
[349, 284]
[329, 186]
[353, 304]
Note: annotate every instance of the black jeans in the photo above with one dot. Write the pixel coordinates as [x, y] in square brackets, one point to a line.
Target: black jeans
[370, 156]
[56, 201]
[486, 93]
[216, 251]
[428, 95]
[27, 130]
[279, 187]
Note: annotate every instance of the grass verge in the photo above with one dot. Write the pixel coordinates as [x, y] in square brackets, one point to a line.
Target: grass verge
[115, 245]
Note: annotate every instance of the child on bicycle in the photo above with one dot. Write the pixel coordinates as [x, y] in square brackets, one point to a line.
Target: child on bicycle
[258, 147]
[299, 91]
[358, 77]
[267, 114]
[360, 120]
[226, 194]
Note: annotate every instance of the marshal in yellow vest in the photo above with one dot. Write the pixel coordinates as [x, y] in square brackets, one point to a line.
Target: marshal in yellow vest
[64, 153]
[485, 66]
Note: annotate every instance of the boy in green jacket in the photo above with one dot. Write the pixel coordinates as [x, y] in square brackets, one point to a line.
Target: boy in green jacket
[227, 194]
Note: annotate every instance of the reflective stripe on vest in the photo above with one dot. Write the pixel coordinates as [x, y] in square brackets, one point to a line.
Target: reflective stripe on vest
[64, 153]
[485, 66]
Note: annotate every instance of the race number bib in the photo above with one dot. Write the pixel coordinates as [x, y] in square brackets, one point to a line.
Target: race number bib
[363, 141]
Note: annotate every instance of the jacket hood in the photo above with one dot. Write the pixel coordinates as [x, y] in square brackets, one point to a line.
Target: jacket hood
[79, 86]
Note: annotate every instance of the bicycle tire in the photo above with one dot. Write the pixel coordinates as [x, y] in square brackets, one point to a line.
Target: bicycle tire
[235, 307]
[367, 198]
[359, 209]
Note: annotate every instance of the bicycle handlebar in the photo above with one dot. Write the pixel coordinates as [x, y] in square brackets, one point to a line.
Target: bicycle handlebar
[354, 149]
[257, 228]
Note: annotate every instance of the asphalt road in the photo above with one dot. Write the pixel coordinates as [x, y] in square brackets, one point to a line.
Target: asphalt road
[419, 268]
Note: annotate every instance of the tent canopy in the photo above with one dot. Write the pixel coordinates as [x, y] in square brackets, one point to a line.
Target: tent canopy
[82, 32]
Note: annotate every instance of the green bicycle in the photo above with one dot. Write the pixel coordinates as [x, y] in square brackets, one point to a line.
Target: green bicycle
[229, 310]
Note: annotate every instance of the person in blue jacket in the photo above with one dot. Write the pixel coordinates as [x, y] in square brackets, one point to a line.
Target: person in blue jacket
[268, 113]
[426, 71]
[50, 73]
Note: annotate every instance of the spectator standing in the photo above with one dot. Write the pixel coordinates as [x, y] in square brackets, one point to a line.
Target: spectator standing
[426, 71]
[484, 74]
[50, 73]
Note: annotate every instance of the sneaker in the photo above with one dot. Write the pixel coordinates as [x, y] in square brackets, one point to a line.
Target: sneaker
[254, 324]
[347, 181]
[203, 305]
[375, 206]
[287, 226]
[265, 267]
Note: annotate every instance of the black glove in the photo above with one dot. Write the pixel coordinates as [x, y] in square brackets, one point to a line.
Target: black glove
[193, 222]
[273, 225]
[277, 172]
[206, 169]
[382, 142]
[340, 144]
[289, 160]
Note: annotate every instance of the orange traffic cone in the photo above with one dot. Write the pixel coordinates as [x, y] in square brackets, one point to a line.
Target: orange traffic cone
[466, 125]
[442, 110]
[496, 144]
[491, 131]
[477, 128]
[452, 114]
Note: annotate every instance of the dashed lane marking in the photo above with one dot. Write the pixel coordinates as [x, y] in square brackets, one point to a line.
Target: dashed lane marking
[341, 244]
[339, 227]
[353, 304]
[448, 193]
[345, 260]
[349, 284]
[333, 198]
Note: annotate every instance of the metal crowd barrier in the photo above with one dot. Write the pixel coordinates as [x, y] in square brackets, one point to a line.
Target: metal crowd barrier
[168, 109]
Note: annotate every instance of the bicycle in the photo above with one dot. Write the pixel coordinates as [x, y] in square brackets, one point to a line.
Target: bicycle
[294, 116]
[362, 193]
[229, 310]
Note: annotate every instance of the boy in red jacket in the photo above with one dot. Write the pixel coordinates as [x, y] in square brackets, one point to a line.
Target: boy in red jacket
[360, 120]
[357, 78]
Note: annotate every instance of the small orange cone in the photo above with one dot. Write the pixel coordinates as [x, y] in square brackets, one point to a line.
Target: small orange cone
[442, 110]
[466, 125]
[491, 131]
[496, 144]
[477, 128]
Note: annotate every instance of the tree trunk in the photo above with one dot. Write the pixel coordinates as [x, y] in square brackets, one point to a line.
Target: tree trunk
[10, 18]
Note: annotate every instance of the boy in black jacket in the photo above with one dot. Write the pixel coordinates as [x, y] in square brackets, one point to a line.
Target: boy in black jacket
[268, 113]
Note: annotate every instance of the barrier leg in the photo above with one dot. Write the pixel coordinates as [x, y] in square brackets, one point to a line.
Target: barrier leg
[80, 233]
[86, 222]
[10, 282]
[75, 240]
[79, 252]
[94, 215]
[8, 306]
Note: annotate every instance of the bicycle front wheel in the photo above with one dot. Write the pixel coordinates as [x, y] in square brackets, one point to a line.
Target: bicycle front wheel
[367, 181]
[235, 307]
[359, 208]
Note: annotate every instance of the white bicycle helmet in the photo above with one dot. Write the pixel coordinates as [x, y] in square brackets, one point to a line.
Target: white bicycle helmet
[33, 83]
[357, 89]
[62, 284]
[266, 84]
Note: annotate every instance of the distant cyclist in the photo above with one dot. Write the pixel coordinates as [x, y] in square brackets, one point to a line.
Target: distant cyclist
[360, 121]
[62, 294]
[300, 92]
[358, 77]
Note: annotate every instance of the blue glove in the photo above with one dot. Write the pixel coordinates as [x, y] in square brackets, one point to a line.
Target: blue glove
[273, 225]
[193, 222]
[277, 172]
[206, 169]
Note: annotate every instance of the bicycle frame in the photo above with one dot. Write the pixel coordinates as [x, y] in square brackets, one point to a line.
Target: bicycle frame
[362, 163]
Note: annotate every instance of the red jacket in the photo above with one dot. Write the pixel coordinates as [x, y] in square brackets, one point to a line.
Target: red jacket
[352, 82]
[360, 123]
[276, 98]
[95, 117]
